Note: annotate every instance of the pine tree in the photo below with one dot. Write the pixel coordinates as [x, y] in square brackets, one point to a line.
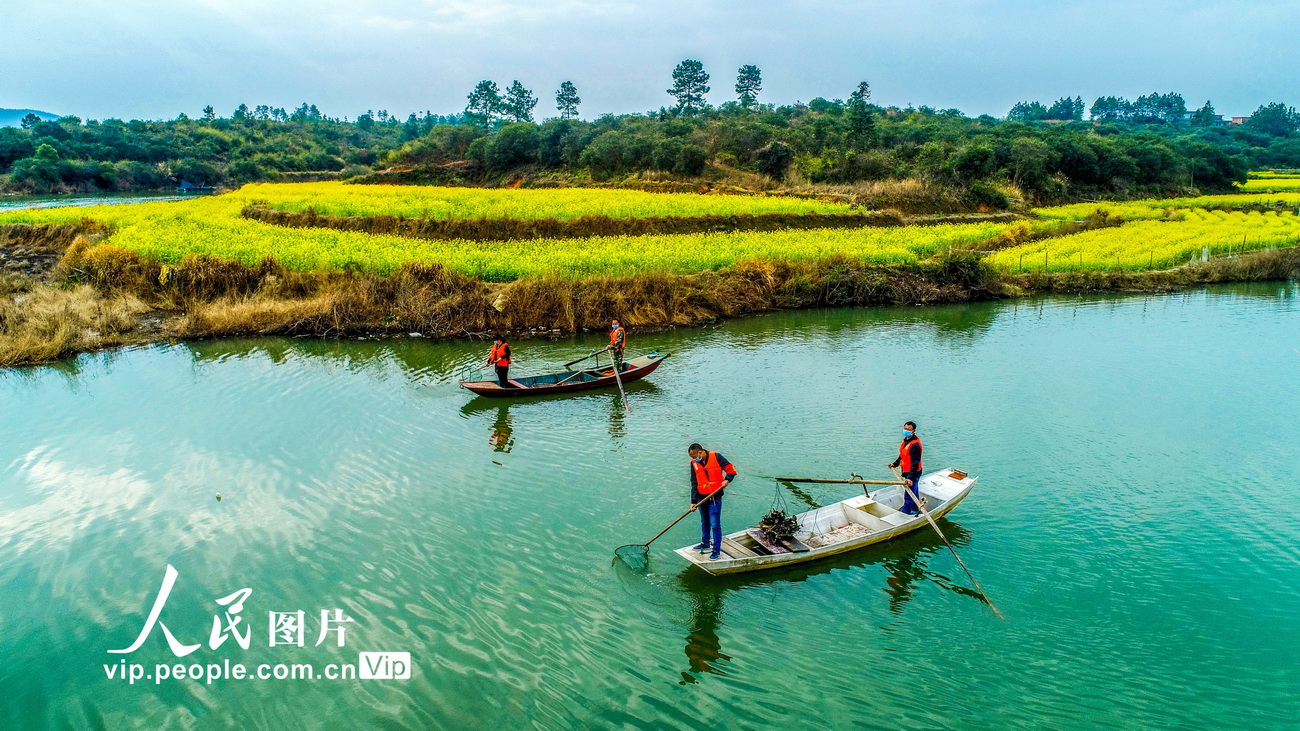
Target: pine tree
[518, 103]
[859, 120]
[1205, 116]
[484, 104]
[690, 84]
[209, 113]
[567, 100]
[749, 81]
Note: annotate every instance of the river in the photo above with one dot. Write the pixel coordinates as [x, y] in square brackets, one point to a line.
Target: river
[1136, 519]
[20, 202]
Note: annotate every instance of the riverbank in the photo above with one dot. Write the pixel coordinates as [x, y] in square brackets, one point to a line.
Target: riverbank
[326, 260]
[73, 294]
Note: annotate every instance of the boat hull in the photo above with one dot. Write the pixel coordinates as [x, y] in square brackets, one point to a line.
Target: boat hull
[886, 523]
[568, 381]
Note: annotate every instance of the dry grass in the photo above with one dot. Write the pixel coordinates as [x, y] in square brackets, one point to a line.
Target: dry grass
[41, 322]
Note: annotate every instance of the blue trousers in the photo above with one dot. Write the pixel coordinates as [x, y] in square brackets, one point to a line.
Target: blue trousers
[711, 522]
[909, 505]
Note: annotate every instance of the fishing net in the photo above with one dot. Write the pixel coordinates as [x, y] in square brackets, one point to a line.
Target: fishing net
[634, 555]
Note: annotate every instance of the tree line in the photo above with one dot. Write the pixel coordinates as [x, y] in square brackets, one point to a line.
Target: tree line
[1147, 146]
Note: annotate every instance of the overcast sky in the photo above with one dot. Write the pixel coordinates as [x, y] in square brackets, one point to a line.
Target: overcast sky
[149, 59]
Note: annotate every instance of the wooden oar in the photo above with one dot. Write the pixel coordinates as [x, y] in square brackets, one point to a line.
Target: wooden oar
[573, 362]
[617, 379]
[646, 546]
[838, 482]
[917, 499]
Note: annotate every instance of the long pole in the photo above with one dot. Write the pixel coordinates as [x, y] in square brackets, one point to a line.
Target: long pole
[838, 482]
[619, 380]
[916, 499]
[670, 525]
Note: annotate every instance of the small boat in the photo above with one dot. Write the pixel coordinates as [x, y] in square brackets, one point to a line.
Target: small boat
[582, 380]
[837, 528]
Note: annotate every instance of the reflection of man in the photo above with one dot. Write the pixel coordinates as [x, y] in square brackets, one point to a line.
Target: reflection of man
[703, 646]
[502, 432]
[909, 460]
[710, 473]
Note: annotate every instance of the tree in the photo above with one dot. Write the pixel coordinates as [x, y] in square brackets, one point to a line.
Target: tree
[519, 102]
[1205, 116]
[567, 100]
[774, 160]
[690, 84]
[209, 113]
[241, 113]
[1111, 109]
[859, 120]
[366, 121]
[484, 104]
[1275, 119]
[1027, 112]
[749, 81]
[30, 120]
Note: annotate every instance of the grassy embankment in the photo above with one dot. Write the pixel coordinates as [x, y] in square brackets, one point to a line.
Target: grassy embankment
[202, 268]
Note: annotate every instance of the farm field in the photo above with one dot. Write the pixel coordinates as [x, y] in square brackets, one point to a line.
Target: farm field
[1157, 234]
[171, 231]
[432, 202]
[1272, 183]
[1154, 244]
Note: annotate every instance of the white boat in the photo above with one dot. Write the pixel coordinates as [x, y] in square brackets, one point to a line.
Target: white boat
[838, 528]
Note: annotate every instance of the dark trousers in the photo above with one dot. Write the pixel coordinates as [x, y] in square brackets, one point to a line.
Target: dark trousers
[711, 522]
[503, 377]
[909, 506]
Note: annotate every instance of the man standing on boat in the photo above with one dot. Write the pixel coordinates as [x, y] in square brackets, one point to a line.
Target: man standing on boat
[909, 460]
[710, 473]
[499, 356]
[617, 341]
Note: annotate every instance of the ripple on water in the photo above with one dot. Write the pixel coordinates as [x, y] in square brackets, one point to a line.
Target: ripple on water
[1110, 525]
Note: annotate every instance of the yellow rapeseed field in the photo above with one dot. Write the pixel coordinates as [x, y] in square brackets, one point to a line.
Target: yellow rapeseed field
[1155, 244]
[420, 201]
[1158, 233]
[171, 230]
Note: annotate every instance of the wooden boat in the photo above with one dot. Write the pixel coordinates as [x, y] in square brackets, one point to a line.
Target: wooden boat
[581, 380]
[838, 528]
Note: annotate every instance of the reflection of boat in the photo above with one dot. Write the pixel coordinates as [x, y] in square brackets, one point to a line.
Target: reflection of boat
[837, 528]
[568, 381]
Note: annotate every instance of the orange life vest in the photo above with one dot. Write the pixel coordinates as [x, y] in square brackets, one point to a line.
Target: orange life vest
[905, 455]
[708, 476]
[498, 355]
[616, 335]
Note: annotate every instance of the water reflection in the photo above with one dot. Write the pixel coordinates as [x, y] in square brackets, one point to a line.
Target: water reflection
[502, 438]
[703, 645]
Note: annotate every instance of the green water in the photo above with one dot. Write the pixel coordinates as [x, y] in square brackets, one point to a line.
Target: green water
[1136, 519]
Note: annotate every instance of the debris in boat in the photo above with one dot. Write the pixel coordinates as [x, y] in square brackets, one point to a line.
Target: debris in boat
[778, 526]
[839, 535]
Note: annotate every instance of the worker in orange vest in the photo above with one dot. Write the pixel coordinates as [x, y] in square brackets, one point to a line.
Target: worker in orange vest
[710, 474]
[617, 341]
[909, 462]
[499, 356]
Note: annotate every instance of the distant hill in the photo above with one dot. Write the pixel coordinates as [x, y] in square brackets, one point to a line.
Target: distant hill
[13, 117]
